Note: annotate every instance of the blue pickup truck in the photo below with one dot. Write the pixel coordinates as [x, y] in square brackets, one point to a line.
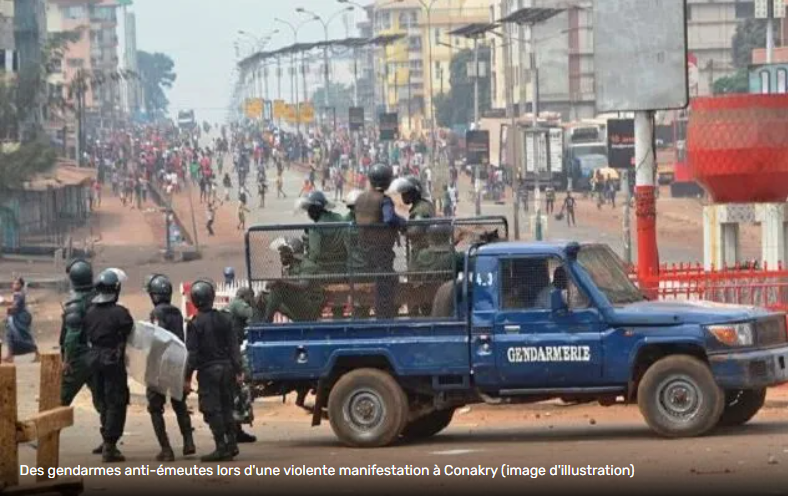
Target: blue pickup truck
[516, 323]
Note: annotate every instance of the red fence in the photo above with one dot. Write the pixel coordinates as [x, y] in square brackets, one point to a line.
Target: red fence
[744, 284]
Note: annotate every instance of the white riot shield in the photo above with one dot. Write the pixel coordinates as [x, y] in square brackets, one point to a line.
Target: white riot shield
[156, 358]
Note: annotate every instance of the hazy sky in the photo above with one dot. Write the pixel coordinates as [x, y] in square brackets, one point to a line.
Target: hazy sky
[199, 35]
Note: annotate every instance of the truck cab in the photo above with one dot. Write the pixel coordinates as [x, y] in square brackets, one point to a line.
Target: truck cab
[528, 322]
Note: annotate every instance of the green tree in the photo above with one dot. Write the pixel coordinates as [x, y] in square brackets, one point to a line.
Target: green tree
[24, 147]
[457, 107]
[156, 71]
[739, 82]
[750, 34]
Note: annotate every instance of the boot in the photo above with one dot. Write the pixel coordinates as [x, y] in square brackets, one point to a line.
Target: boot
[188, 444]
[185, 425]
[111, 454]
[160, 429]
[244, 437]
[98, 450]
[232, 439]
[220, 454]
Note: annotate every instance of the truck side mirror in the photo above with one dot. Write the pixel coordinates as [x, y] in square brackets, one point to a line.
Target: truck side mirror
[557, 303]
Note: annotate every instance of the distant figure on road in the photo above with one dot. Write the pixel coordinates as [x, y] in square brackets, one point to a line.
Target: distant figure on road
[550, 197]
[280, 192]
[242, 211]
[18, 336]
[569, 208]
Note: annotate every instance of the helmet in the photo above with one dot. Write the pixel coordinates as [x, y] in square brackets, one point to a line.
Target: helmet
[80, 274]
[107, 287]
[352, 198]
[229, 273]
[316, 199]
[160, 289]
[202, 295]
[380, 176]
[409, 187]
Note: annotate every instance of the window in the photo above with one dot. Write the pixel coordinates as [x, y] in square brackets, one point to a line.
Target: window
[527, 284]
[689, 12]
[414, 43]
[745, 10]
[765, 82]
[437, 32]
[403, 20]
[607, 271]
[782, 77]
[74, 12]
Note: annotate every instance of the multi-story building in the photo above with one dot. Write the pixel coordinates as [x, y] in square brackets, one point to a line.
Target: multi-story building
[96, 51]
[565, 52]
[418, 66]
[131, 89]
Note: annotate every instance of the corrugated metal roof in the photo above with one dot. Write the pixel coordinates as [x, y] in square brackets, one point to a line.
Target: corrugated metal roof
[64, 174]
[531, 15]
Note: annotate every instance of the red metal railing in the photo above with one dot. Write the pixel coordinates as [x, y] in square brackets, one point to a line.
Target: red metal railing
[745, 284]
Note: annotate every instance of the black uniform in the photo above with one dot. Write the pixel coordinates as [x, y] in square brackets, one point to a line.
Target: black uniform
[170, 318]
[108, 327]
[215, 354]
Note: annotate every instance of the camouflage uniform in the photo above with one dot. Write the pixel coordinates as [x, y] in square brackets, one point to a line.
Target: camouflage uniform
[241, 313]
[299, 305]
[74, 348]
[421, 209]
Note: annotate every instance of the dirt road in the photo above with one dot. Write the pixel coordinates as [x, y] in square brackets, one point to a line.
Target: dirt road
[749, 460]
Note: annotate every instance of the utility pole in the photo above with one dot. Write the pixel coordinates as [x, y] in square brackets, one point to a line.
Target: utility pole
[627, 177]
[646, 209]
[476, 121]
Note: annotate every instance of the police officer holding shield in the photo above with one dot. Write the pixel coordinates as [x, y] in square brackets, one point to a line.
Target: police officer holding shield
[169, 317]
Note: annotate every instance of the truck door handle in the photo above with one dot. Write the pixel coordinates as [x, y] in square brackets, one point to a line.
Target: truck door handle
[511, 328]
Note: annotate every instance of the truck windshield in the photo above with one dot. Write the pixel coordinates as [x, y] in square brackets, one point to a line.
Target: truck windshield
[608, 273]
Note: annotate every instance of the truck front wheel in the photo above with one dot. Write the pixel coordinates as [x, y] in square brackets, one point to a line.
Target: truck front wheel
[428, 425]
[367, 408]
[679, 397]
[741, 405]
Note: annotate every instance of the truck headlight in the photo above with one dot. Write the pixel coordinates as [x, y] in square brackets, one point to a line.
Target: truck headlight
[741, 334]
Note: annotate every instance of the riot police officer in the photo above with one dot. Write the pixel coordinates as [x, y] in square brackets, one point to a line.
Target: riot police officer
[412, 193]
[73, 339]
[241, 311]
[326, 247]
[214, 355]
[108, 326]
[374, 208]
[169, 317]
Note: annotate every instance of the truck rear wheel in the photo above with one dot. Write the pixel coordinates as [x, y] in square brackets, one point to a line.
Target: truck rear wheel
[741, 405]
[428, 425]
[679, 397]
[367, 408]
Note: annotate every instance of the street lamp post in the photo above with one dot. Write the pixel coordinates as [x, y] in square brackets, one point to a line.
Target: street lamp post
[325, 24]
[294, 84]
[428, 8]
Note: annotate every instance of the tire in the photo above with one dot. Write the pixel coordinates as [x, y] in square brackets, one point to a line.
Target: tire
[367, 408]
[428, 425]
[678, 397]
[741, 405]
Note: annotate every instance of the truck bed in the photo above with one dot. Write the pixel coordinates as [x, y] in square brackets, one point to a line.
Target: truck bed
[412, 347]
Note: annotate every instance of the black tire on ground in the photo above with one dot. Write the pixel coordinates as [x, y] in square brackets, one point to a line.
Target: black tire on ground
[678, 397]
[741, 405]
[428, 425]
[367, 408]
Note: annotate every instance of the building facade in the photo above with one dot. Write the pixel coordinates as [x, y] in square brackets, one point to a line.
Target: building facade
[409, 72]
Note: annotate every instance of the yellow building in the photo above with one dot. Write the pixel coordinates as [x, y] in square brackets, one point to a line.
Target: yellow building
[407, 62]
